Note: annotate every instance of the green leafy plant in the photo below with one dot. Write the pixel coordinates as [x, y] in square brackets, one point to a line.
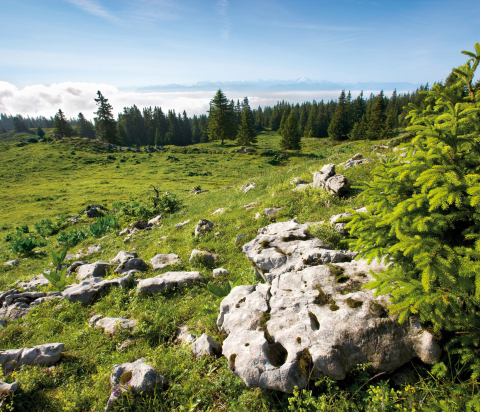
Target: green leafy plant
[424, 214]
[103, 225]
[220, 292]
[47, 228]
[71, 238]
[57, 278]
[20, 244]
[57, 259]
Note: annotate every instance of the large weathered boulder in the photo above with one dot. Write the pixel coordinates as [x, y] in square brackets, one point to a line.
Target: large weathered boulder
[137, 376]
[166, 281]
[338, 185]
[285, 246]
[312, 319]
[112, 325]
[75, 265]
[132, 264]
[89, 289]
[320, 178]
[93, 270]
[205, 345]
[34, 355]
[206, 257]
[123, 256]
[159, 262]
[203, 226]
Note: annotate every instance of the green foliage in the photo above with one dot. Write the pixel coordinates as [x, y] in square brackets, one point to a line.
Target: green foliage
[220, 292]
[47, 228]
[424, 215]
[103, 225]
[105, 123]
[165, 203]
[290, 135]
[221, 125]
[40, 132]
[247, 133]
[340, 124]
[22, 245]
[61, 125]
[328, 234]
[57, 278]
[71, 238]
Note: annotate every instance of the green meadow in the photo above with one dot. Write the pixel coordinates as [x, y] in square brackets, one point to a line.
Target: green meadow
[52, 180]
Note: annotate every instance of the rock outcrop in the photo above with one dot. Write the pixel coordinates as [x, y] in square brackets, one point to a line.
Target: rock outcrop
[92, 270]
[327, 179]
[159, 262]
[206, 257]
[35, 355]
[312, 318]
[167, 281]
[203, 226]
[111, 325]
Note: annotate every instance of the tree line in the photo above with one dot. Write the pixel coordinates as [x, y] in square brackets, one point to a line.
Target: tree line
[375, 117]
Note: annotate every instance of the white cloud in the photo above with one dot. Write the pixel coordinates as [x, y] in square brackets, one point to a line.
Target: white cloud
[75, 97]
[93, 7]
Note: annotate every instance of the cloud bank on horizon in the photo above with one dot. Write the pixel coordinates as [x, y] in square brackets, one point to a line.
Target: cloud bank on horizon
[76, 97]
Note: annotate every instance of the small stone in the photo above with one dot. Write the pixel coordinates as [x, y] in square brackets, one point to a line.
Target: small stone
[112, 325]
[123, 256]
[166, 281]
[203, 226]
[218, 211]
[155, 221]
[206, 345]
[132, 264]
[180, 225]
[207, 257]
[239, 237]
[272, 211]
[159, 262]
[92, 270]
[13, 262]
[220, 272]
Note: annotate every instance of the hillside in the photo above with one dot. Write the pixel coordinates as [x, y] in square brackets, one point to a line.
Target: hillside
[54, 180]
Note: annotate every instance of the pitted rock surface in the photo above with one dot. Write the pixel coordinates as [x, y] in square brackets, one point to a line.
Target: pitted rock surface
[33, 284]
[327, 179]
[166, 281]
[285, 246]
[138, 376]
[159, 262]
[34, 355]
[92, 270]
[314, 319]
[89, 289]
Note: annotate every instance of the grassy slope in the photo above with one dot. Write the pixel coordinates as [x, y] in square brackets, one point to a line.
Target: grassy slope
[43, 180]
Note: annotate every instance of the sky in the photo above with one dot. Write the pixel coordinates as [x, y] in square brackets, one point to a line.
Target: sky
[58, 53]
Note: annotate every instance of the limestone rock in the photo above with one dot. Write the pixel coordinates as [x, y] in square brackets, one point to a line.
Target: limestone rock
[34, 355]
[247, 188]
[252, 205]
[356, 160]
[34, 283]
[93, 270]
[340, 227]
[75, 265]
[111, 325]
[338, 185]
[272, 211]
[159, 262]
[220, 272]
[297, 181]
[206, 345]
[320, 178]
[166, 281]
[132, 264]
[239, 237]
[155, 221]
[91, 288]
[8, 388]
[13, 262]
[137, 376]
[207, 257]
[218, 211]
[15, 311]
[123, 256]
[180, 225]
[203, 226]
[184, 336]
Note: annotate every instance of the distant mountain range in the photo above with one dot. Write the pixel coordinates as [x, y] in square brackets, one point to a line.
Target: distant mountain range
[300, 84]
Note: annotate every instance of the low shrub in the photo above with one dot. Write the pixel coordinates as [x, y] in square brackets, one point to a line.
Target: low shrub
[72, 237]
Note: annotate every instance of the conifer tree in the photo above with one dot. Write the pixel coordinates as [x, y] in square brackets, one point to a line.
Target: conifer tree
[359, 131]
[105, 124]
[290, 134]
[376, 120]
[339, 126]
[158, 138]
[2, 129]
[61, 126]
[424, 215]
[247, 134]
[221, 124]
[85, 128]
[40, 132]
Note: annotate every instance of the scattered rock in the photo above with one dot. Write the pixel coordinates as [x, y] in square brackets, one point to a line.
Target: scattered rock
[252, 205]
[272, 211]
[155, 221]
[34, 283]
[111, 325]
[137, 376]
[207, 257]
[220, 272]
[73, 219]
[166, 281]
[180, 225]
[92, 270]
[123, 256]
[239, 237]
[161, 261]
[162, 239]
[297, 181]
[7, 388]
[125, 344]
[248, 187]
[94, 210]
[205, 345]
[132, 264]
[203, 226]
[257, 216]
[139, 224]
[338, 185]
[218, 211]
[184, 336]
[75, 265]
[320, 178]
[13, 262]
[89, 289]
[35, 355]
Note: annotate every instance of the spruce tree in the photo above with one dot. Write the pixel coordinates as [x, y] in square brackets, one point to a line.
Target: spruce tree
[424, 216]
[247, 134]
[85, 128]
[2, 129]
[359, 131]
[339, 126]
[221, 123]
[105, 124]
[290, 134]
[158, 139]
[376, 120]
[61, 126]
[40, 132]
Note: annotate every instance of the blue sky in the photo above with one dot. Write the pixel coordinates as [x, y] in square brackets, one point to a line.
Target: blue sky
[138, 43]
